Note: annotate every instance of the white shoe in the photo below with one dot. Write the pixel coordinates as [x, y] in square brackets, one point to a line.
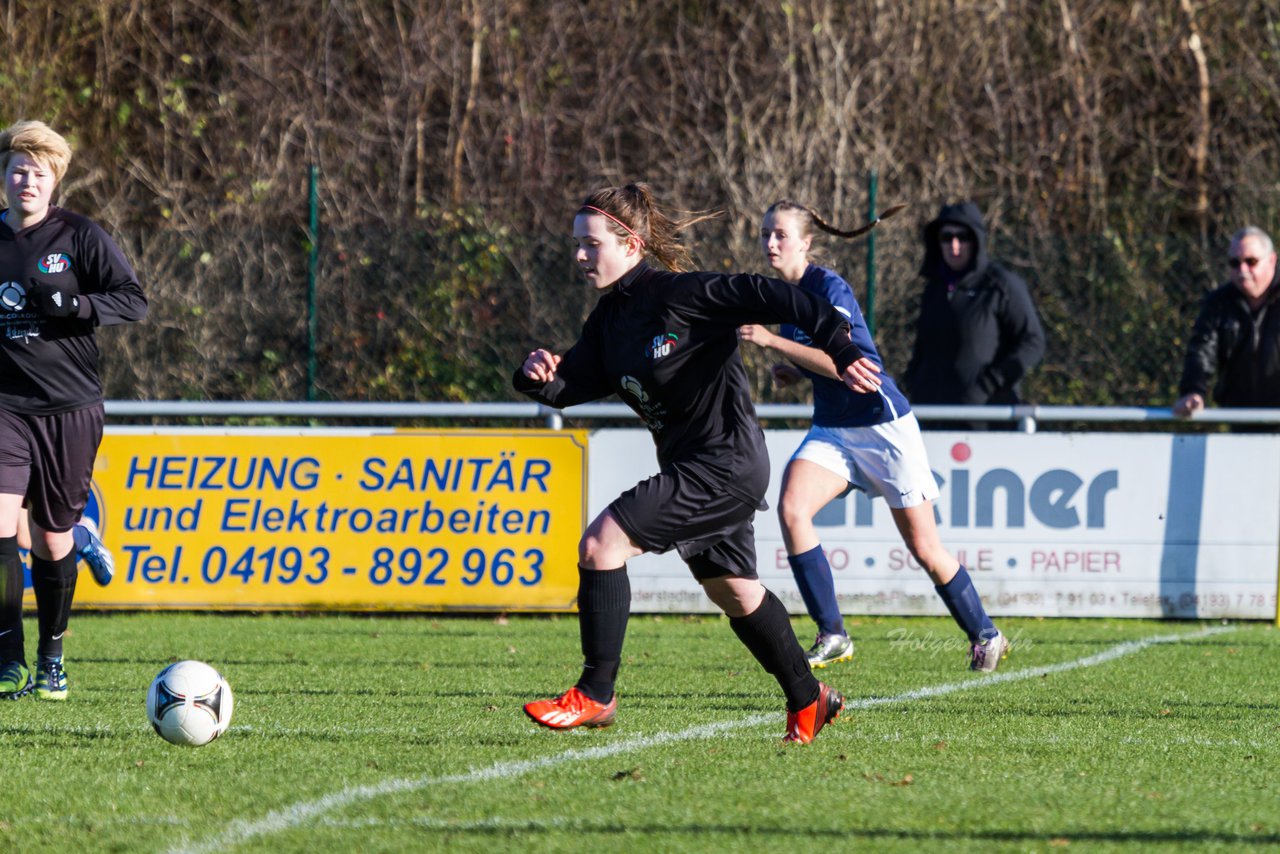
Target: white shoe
[986, 656]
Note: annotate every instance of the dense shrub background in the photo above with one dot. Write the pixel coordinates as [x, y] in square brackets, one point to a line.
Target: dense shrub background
[1114, 146]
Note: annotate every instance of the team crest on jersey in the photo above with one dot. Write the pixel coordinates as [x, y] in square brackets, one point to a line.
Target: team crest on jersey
[58, 262]
[662, 345]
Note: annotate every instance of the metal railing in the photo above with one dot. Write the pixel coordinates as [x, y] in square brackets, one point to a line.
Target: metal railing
[1027, 417]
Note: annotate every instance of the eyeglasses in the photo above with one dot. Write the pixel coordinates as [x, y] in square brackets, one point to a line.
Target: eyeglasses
[1234, 262]
[948, 236]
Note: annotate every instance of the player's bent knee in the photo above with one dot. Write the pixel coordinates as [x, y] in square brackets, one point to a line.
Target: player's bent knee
[736, 597]
[602, 553]
[793, 513]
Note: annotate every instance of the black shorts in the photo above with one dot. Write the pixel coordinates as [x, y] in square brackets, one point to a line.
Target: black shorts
[49, 459]
[678, 509]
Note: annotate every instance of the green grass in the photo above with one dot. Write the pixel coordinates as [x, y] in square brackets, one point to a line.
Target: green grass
[405, 734]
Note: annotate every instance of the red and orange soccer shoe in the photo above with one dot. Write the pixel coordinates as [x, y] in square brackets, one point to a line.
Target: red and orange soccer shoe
[803, 725]
[573, 708]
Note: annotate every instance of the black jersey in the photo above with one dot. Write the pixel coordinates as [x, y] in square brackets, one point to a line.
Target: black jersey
[49, 365]
[667, 344]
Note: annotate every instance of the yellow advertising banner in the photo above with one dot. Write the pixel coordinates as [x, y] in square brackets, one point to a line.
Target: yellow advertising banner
[350, 520]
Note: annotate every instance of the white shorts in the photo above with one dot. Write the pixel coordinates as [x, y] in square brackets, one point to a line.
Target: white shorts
[888, 460]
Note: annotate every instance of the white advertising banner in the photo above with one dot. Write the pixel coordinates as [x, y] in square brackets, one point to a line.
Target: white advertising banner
[1049, 524]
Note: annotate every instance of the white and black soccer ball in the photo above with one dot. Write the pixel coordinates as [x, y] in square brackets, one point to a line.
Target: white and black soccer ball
[189, 703]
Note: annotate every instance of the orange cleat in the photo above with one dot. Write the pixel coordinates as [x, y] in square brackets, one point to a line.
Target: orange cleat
[574, 708]
[804, 725]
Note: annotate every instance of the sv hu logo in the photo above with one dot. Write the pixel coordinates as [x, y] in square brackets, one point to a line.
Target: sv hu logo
[55, 263]
[662, 345]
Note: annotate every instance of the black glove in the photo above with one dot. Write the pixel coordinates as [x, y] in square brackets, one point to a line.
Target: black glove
[52, 300]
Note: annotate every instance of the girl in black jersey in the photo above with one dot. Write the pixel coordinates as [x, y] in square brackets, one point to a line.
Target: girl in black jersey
[61, 277]
[665, 341]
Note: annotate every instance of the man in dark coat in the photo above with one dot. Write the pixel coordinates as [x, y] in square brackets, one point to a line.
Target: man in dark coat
[978, 332]
[1236, 338]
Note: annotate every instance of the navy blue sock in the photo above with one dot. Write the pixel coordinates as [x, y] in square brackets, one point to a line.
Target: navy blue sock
[818, 589]
[604, 604]
[966, 608]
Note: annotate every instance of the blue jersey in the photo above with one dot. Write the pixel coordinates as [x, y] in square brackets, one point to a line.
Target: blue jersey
[834, 404]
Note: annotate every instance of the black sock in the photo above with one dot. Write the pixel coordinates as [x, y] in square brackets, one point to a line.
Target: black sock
[767, 632]
[54, 583]
[604, 603]
[10, 601]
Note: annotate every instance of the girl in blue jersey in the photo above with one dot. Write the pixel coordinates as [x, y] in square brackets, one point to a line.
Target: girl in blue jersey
[869, 441]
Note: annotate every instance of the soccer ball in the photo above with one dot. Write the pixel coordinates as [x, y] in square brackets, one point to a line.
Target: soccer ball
[189, 703]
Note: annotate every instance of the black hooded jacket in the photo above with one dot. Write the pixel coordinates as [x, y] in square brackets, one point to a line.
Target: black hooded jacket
[974, 342]
[1240, 347]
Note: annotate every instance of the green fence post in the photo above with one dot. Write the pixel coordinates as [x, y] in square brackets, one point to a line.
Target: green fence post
[313, 262]
[871, 255]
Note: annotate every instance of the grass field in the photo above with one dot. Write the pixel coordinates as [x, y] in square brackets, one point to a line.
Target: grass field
[405, 734]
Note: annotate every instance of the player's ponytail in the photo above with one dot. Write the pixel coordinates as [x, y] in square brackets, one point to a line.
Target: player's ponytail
[810, 219]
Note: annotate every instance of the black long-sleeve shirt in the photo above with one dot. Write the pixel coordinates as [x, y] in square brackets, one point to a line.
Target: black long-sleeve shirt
[49, 365]
[667, 344]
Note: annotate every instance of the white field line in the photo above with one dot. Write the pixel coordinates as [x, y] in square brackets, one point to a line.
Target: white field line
[243, 830]
[491, 823]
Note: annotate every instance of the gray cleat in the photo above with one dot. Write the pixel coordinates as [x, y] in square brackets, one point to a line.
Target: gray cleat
[986, 656]
[829, 649]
